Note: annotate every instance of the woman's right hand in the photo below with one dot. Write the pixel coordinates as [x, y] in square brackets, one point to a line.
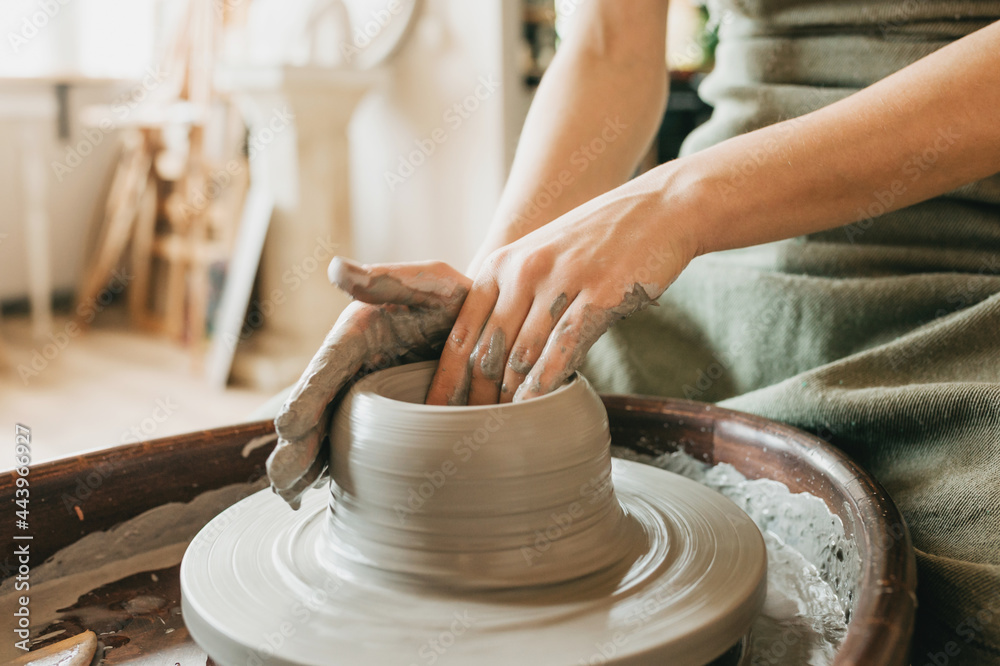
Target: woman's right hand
[402, 313]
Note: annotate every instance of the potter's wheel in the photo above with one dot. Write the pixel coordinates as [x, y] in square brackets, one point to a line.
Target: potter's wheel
[680, 581]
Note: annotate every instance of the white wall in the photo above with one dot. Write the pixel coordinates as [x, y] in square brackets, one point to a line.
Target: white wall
[72, 201]
[43, 44]
[440, 211]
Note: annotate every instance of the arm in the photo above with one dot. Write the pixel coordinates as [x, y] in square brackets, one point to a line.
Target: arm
[539, 303]
[406, 310]
[921, 132]
[607, 84]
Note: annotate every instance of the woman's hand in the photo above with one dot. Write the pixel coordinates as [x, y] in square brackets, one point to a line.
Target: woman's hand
[538, 304]
[403, 313]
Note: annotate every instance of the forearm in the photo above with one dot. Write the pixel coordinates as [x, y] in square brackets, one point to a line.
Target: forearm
[593, 117]
[540, 302]
[924, 131]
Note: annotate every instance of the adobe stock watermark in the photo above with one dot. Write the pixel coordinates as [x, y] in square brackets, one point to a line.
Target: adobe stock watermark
[594, 324]
[462, 452]
[294, 277]
[436, 646]
[743, 343]
[560, 522]
[121, 108]
[970, 628]
[902, 14]
[220, 179]
[453, 118]
[209, 534]
[963, 295]
[912, 169]
[579, 161]
[298, 614]
[86, 485]
[163, 409]
[363, 35]
[777, 651]
[59, 340]
[960, 296]
[772, 145]
[34, 23]
[633, 623]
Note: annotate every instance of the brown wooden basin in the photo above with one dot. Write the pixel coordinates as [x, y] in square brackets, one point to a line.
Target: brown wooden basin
[76, 496]
[884, 594]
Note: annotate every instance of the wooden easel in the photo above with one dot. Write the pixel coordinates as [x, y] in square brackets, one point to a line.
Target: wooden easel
[161, 197]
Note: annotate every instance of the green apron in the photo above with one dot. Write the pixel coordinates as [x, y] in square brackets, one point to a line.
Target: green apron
[883, 336]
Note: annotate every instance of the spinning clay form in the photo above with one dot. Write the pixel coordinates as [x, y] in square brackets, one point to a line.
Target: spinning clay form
[490, 535]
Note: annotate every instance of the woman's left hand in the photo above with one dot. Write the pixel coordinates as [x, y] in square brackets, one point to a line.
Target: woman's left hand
[538, 304]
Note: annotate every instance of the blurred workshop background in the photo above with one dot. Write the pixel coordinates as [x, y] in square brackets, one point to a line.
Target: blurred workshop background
[178, 173]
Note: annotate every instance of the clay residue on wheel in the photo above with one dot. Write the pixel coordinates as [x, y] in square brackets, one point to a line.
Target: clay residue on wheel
[150, 541]
[813, 565]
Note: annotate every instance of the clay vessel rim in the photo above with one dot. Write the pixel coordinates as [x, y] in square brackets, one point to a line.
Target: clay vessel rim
[362, 390]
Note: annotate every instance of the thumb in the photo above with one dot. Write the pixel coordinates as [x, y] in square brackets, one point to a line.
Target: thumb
[415, 284]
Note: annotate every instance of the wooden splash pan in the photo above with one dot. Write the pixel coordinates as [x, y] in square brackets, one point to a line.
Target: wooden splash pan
[140, 477]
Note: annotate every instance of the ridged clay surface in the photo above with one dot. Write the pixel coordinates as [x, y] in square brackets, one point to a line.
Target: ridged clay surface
[516, 546]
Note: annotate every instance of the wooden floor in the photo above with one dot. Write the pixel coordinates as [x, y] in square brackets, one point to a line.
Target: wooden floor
[107, 387]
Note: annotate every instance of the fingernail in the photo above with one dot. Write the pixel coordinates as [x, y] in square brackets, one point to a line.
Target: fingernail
[345, 272]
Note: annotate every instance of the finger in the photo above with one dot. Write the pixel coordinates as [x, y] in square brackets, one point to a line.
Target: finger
[450, 385]
[290, 459]
[313, 477]
[339, 358]
[527, 348]
[293, 460]
[574, 335]
[494, 345]
[423, 284]
[564, 351]
[364, 337]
